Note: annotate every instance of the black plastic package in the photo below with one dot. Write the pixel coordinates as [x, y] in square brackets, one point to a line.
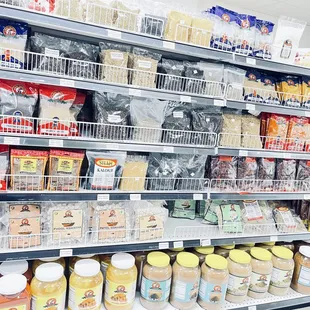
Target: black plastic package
[195, 83]
[303, 174]
[152, 25]
[286, 172]
[266, 172]
[247, 171]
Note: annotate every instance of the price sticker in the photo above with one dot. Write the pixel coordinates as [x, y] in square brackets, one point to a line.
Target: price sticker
[252, 308]
[163, 245]
[250, 107]
[307, 114]
[103, 197]
[55, 143]
[243, 153]
[197, 196]
[251, 61]
[205, 242]
[168, 149]
[135, 196]
[114, 34]
[135, 92]
[65, 252]
[274, 238]
[186, 99]
[170, 45]
[219, 103]
[306, 196]
[178, 244]
[68, 83]
[11, 140]
[112, 146]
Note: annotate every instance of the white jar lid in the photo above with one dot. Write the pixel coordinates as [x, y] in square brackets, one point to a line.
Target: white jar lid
[87, 268]
[49, 272]
[86, 256]
[305, 250]
[12, 284]
[16, 267]
[49, 259]
[122, 261]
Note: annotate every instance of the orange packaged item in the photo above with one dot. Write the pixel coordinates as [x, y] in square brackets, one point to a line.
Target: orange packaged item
[276, 131]
[307, 142]
[27, 169]
[296, 134]
[305, 91]
[290, 88]
[64, 170]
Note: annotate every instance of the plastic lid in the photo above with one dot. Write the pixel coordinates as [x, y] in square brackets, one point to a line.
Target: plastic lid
[305, 250]
[49, 272]
[16, 267]
[261, 253]
[240, 256]
[282, 252]
[205, 249]
[187, 259]
[86, 256]
[12, 284]
[87, 268]
[158, 259]
[269, 243]
[49, 259]
[216, 261]
[249, 244]
[228, 246]
[122, 261]
[177, 249]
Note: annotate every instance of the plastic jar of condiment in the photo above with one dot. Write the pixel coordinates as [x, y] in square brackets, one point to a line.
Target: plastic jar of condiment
[282, 271]
[266, 245]
[48, 287]
[14, 293]
[121, 280]
[213, 282]
[224, 250]
[301, 279]
[38, 262]
[298, 244]
[245, 247]
[85, 285]
[173, 254]
[261, 272]
[140, 260]
[105, 261]
[202, 252]
[75, 259]
[240, 270]
[185, 283]
[156, 281]
[16, 267]
[289, 245]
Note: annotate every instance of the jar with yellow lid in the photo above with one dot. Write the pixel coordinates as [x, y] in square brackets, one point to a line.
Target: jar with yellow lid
[140, 260]
[282, 271]
[38, 262]
[213, 282]
[185, 283]
[266, 245]
[120, 283]
[240, 270]
[173, 254]
[245, 247]
[261, 272]
[289, 245]
[48, 287]
[75, 259]
[156, 281]
[202, 252]
[224, 250]
[85, 285]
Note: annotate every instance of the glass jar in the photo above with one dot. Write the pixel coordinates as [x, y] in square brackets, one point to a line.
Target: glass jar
[202, 252]
[213, 282]
[48, 287]
[245, 247]
[173, 254]
[301, 279]
[266, 245]
[156, 281]
[282, 271]
[185, 283]
[73, 260]
[224, 250]
[14, 293]
[38, 262]
[105, 261]
[120, 284]
[16, 267]
[289, 245]
[140, 260]
[240, 270]
[85, 285]
[261, 272]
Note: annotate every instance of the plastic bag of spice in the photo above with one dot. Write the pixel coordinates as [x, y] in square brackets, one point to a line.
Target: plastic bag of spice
[247, 173]
[231, 130]
[4, 166]
[234, 77]
[250, 129]
[153, 25]
[194, 78]
[266, 172]
[303, 174]
[285, 172]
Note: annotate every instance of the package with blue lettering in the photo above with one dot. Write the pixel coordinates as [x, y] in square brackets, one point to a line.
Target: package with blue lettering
[269, 94]
[263, 39]
[253, 86]
[13, 37]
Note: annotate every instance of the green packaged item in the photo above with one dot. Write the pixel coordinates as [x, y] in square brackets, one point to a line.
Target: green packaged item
[229, 218]
[200, 208]
[184, 209]
[210, 215]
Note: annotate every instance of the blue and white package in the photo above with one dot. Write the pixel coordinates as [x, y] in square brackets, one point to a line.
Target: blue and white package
[252, 89]
[263, 39]
[13, 38]
[270, 95]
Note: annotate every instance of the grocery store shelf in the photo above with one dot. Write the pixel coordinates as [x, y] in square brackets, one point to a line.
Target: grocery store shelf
[259, 196]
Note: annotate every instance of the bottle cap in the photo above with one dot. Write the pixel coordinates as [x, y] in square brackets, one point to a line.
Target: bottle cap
[122, 261]
[49, 272]
[16, 267]
[87, 268]
[12, 284]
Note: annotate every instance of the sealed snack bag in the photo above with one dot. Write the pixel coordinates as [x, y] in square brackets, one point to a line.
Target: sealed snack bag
[263, 39]
[276, 131]
[253, 86]
[305, 91]
[290, 88]
[296, 134]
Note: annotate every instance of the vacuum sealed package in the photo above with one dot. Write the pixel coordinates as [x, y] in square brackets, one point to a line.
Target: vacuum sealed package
[17, 104]
[173, 71]
[305, 91]
[73, 9]
[231, 130]
[13, 39]
[148, 115]
[263, 39]
[153, 25]
[290, 88]
[144, 64]
[253, 86]
[177, 124]
[194, 82]
[27, 169]
[114, 57]
[104, 169]
[210, 214]
[303, 174]
[201, 31]
[284, 219]
[64, 170]
[286, 172]
[234, 77]
[252, 214]
[250, 129]
[287, 37]
[99, 13]
[4, 166]
[247, 173]
[296, 134]
[269, 93]
[266, 172]
[178, 26]
[229, 218]
[111, 113]
[213, 75]
[185, 209]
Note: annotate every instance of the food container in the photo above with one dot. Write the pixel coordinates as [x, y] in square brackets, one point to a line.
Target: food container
[224, 250]
[75, 259]
[16, 267]
[245, 247]
[173, 254]
[38, 262]
[202, 252]
[266, 245]
[289, 245]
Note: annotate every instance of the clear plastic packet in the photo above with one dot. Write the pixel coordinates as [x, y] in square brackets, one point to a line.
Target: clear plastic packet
[266, 172]
[286, 172]
[4, 166]
[247, 171]
[150, 115]
[250, 129]
[104, 169]
[252, 214]
[99, 12]
[290, 88]
[229, 218]
[303, 174]
[253, 86]
[283, 218]
[178, 26]
[234, 77]
[231, 130]
[195, 83]
[153, 25]
[210, 214]
[111, 112]
[269, 93]
[72, 9]
[185, 209]
[201, 31]
[263, 39]
[213, 72]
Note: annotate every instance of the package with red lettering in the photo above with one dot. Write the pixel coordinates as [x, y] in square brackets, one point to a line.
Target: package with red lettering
[296, 134]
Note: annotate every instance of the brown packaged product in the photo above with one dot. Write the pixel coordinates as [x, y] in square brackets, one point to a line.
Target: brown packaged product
[178, 26]
[231, 130]
[124, 17]
[253, 87]
[247, 173]
[296, 134]
[277, 127]
[250, 129]
[200, 31]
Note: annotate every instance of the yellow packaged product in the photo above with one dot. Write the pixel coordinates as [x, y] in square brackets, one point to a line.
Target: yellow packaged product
[200, 31]
[178, 26]
[290, 88]
[305, 91]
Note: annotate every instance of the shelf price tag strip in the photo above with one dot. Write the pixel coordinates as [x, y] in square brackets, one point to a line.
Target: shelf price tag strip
[205, 242]
[135, 196]
[114, 34]
[65, 252]
[170, 45]
[103, 197]
[68, 83]
[55, 143]
[178, 244]
[274, 238]
[185, 98]
[11, 140]
[197, 196]
[163, 245]
[135, 92]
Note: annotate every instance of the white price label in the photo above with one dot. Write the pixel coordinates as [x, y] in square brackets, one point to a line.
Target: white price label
[103, 197]
[219, 103]
[252, 308]
[68, 83]
[135, 92]
[65, 252]
[178, 244]
[55, 143]
[307, 114]
[208, 195]
[114, 34]
[273, 238]
[251, 61]
[250, 107]
[50, 52]
[243, 153]
[168, 149]
[186, 99]
[205, 242]
[163, 245]
[287, 155]
[112, 146]
[135, 196]
[11, 140]
[197, 196]
[306, 196]
[170, 45]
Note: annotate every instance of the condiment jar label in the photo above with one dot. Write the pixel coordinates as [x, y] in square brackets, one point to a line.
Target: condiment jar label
[304, 276]
[155, 290]
[119, 293]
[281, 278]
[259, 282]
[90, 298]
[238, 286]
[42, 302]
[185, 291]
[212, 293]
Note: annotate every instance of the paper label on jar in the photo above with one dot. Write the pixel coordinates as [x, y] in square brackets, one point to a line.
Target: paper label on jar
[56, 302]
[16, 307]
[281, 278]
[144, 64]
[155, 290]
[120, 293]
[185, 291]
[117, 56]
[212, 293]
[151, 227]
[259, 282]
[104, 172]
[89, 298]
[304, 276]
[238, 286]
